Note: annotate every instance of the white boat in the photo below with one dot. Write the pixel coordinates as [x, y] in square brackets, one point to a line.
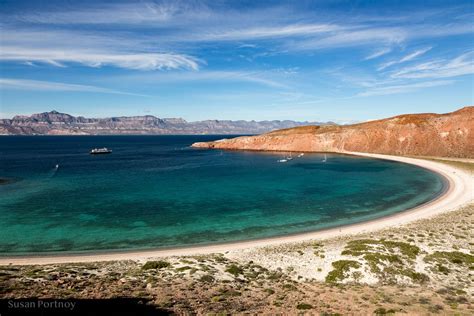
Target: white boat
[325, 158]
[290, 157]
[98, 151]
[282, 160]
[300, 155]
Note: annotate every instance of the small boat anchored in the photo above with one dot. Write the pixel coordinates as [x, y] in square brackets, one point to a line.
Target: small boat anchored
[98, 151]
[325, 158]
[286, 159]
[300, 155]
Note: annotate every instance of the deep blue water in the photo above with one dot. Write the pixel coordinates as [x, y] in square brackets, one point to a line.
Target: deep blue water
[156, 191]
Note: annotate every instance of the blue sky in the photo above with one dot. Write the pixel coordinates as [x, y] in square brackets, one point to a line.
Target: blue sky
[344, 61]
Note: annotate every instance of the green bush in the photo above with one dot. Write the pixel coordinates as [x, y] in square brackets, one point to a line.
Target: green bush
[207, 278]
[304, 306]
[234, 270]
[455, 257]
[270, 291]
[383, 311]
[156, 265]
[341, 267]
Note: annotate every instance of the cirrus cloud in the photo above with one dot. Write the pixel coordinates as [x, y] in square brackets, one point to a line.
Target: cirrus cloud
[138, 61]
[458, 66]
[39, 85]
[403, 88]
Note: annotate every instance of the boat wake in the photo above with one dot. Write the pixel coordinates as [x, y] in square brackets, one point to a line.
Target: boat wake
[54, 171]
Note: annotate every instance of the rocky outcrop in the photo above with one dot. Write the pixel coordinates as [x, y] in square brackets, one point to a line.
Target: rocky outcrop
[444, 135]
[55, 123]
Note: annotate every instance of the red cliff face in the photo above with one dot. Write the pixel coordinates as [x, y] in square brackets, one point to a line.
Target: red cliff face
[443, 135]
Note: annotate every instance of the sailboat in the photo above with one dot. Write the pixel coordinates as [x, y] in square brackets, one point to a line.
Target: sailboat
[290, 157]
[283, 159]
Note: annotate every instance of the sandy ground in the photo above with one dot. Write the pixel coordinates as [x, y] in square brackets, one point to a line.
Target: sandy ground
[460, 192]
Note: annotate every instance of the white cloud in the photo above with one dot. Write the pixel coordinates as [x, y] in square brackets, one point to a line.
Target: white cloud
[60, 58]
[268, 32]
[403, 88]
[405, 58]
[37, 85]
[415, 54]
[129, 13]
[268, 79]
[350, 36]
[94, 49]
[378, 53]
[461, 65]
[175, 26]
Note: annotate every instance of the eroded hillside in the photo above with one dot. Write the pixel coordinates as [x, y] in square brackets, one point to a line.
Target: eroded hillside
[443, 135]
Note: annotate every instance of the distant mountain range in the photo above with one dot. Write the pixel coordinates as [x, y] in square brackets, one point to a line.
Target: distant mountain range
[55, 123]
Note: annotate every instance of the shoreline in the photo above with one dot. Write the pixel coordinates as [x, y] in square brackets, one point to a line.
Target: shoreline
[459, 191]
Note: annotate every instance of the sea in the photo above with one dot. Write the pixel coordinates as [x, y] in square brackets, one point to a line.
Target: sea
[155, 192]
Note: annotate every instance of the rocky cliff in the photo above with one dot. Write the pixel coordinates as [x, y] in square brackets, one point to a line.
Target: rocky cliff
[429, 134]
[55, 123]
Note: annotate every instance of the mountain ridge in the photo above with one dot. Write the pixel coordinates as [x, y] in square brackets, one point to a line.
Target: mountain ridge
[56, 123]
[427, 134]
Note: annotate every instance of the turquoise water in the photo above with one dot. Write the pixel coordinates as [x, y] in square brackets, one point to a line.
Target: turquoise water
[157, 192]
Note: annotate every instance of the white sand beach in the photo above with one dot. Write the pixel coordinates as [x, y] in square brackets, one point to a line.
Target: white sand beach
[460, 191]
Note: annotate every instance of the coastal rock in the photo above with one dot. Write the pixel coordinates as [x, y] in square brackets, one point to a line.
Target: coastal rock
[428, 134]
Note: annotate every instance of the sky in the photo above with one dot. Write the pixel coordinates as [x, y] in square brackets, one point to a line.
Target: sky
[342, 61]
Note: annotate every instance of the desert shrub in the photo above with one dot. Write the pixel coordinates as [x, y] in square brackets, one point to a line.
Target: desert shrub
[341, 268]
[383, 311]
[234, 269]
[156, 265]
[455, 257]
[207, 278]
[304, 306]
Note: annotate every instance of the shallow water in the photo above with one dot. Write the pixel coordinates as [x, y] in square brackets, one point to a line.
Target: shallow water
[156, 192]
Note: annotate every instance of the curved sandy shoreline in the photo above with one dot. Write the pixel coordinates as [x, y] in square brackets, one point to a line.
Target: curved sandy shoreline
[460, 191]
